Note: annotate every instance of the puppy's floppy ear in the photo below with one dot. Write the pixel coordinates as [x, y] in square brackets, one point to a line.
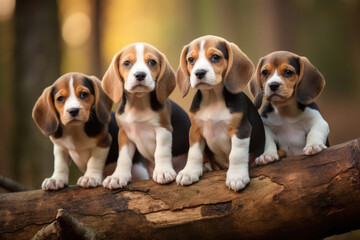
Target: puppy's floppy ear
[239, 70]
[112, 83]
[102, 103]
[255, 87]
[182, 75]
[311, 82]
[166, 82]
[44, 113]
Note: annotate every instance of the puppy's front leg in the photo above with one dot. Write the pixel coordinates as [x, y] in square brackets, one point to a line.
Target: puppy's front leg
[95, 167]
[60, 177]
[163, 171]
[316, 138]
[237, 176]
[122, 173]
[194, 165]
[270, 153]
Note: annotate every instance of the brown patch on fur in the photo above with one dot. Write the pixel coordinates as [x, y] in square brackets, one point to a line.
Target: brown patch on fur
[123, 139]
[165, 116]
[104, 140]
[281, 153]
[235, 123]
[194, 133]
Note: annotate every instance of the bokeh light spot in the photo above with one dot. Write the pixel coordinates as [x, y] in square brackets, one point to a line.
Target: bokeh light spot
[76, 29]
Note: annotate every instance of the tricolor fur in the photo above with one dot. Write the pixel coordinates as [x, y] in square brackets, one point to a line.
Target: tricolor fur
[75, 113]
[223, 119]
[141, 79]
[292, 120]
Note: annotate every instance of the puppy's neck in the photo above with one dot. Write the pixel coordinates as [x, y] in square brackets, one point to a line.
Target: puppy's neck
[139, 101]
[213, 95]
[288, 108]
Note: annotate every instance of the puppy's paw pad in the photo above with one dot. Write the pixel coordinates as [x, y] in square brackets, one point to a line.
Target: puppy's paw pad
[188, 176]
[266, 158]
[89, 182]
[54, 183]
[236, 180]
[164, 175]
[115, 182]
[313, 149]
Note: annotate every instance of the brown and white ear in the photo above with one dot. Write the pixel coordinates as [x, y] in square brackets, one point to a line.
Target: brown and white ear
[44, 113]
[112, 82]
[255, 87]
[239, 70]
[166, 82]
[311, 82]
[103, 103]
[256, 91]
[182, 75]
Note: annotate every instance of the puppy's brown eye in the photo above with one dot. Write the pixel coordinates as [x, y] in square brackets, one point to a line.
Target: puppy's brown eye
[152, 63]
[215, 58]
[127, 64]
[288, 73]
[191, 60]
[83, 95]
[265, 73]
[60, 99]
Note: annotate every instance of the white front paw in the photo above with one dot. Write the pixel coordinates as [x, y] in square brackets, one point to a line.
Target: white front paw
[266, 158]
[189, 175]
[54, 183]
[313, 149]
[89, 182]
[237, 179]
[164, 175]
[116, 181]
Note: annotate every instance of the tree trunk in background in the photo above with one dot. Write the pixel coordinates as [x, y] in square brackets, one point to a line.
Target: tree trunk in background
[6, 86]
[96, 63]
[276, 26]
[37, 60]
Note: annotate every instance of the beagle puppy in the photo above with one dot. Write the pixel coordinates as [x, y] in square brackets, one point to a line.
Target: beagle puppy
[75, 113]
[140, 78]
[223, 118]
[292, 120]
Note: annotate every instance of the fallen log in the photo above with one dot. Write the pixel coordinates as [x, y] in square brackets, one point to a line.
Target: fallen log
[298, 198]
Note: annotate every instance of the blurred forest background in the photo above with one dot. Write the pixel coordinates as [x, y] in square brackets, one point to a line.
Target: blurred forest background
[41, 40]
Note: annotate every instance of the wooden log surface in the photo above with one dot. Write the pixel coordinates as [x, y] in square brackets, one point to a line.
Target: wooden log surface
[298, 198]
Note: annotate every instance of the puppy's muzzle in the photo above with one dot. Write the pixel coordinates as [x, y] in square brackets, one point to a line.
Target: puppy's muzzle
[140, 76]
[74, 112]
[200, 73]
[274, 86]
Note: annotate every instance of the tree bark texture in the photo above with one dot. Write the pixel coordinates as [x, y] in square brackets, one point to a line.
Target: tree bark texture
[298, 197]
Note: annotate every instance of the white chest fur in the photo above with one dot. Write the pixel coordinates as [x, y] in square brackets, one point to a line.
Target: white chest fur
[213, 121]
[291, 132]
[75, 141]
[139, 126]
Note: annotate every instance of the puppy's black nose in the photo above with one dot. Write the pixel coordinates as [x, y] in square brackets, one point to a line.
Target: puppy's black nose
[74, 112]
[140, 76]
[274, 86]
[200, 73]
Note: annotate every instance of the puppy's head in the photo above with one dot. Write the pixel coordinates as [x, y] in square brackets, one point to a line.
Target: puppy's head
[139, 68]
[72, 99]
[209, 61]
[282, 75]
